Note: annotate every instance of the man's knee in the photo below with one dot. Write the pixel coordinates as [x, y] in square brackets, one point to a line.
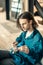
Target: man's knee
[4, 54]
[7, 62]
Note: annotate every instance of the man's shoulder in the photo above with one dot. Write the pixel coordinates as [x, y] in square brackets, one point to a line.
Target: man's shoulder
[37, 35]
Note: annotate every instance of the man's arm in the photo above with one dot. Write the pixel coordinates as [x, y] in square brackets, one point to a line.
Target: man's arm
[18, 40]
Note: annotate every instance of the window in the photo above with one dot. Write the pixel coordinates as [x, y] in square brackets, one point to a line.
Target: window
[16, 8]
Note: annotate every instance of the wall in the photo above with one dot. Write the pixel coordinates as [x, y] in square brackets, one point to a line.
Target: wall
[2, 3]
[25, 5]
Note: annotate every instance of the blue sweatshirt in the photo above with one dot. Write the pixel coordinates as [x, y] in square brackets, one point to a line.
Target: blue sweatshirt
[34, 43]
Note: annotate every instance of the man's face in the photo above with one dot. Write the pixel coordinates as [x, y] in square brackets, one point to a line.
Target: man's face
[25, 25]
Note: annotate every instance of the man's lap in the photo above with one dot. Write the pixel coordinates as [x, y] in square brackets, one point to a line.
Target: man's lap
[7, 61]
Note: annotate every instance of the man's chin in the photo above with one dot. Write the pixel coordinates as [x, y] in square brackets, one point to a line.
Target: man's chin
[24, 30]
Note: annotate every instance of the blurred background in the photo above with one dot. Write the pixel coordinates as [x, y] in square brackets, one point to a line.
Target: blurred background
[9, 11]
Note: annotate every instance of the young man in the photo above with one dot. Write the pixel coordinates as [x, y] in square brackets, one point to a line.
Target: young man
[29, 43]
[28, 46]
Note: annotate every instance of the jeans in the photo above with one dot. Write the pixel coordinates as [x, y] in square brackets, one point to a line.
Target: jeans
[5, 58]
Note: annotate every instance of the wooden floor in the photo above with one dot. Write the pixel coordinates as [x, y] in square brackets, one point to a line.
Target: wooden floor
[9, 32]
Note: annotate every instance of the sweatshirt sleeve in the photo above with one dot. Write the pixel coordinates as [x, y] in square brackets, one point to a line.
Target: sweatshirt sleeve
[36, 50]
[19, 38]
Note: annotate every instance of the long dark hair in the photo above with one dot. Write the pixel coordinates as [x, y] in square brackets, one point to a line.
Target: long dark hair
[28, 16]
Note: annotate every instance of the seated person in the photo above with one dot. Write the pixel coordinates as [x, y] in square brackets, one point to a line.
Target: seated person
[28, 46]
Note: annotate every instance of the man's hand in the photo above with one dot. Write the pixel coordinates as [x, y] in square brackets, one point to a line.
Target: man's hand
[15, 49]
[15, 43]
[24, 49]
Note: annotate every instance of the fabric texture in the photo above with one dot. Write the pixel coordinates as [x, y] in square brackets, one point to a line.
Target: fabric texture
[34, 43]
